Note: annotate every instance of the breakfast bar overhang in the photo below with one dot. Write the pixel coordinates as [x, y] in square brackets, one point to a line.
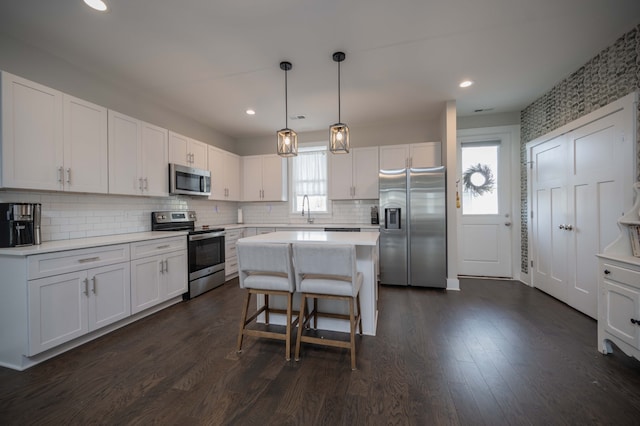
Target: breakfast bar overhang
[366, 244]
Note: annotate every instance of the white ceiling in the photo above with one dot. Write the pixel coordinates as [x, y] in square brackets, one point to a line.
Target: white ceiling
[213, 59]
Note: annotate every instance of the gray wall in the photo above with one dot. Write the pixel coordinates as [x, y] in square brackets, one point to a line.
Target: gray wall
[42, 67]
[488, 120]
[610, 75]
[360, 136]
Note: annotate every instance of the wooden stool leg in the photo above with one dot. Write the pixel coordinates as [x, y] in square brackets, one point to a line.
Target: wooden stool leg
[243, 320]
[352, 322]
[359, 312]
[303, 304]
[315, 310]
[288, 341]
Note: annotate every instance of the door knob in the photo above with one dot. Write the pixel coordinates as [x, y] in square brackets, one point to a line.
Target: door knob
[507, 224]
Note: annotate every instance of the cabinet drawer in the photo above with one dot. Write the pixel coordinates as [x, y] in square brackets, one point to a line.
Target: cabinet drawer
[160, 246]
[622, 275]
[233, 236]
[49, 264]
[231, 266]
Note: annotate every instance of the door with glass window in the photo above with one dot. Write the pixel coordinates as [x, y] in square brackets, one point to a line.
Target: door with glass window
[484, 238]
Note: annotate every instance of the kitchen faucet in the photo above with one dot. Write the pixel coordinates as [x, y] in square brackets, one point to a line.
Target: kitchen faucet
[309, 219]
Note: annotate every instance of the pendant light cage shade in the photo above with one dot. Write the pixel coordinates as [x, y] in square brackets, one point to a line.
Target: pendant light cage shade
[339, 132]
[339, 138]
[287, 138]
[287, 143]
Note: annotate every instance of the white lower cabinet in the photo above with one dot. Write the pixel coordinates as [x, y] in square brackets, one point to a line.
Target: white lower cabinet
[619, 306]
[51, 302]
[63, 307]
[160, 275]
[230, 255]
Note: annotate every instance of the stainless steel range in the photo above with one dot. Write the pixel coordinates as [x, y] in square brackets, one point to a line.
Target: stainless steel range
[205, 248]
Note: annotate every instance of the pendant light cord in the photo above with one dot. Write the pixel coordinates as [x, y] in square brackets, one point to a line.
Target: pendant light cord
[339, 93]
[286, 101]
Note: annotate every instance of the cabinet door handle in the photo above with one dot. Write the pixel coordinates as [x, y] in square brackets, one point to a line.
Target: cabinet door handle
[166, 265]
[86, 287]
[560, 226]
[93, 285]
[69, 175]
[635, 321]
[607, 272]
[146, 184]
[60, 172]
[89, 259]
[569, 227]
[140, 184]
[163, 246]
[162, 266]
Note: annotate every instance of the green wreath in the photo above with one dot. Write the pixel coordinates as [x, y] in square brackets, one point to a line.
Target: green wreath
[478, 180]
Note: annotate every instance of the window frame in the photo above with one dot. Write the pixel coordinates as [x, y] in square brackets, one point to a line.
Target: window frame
[293, 212]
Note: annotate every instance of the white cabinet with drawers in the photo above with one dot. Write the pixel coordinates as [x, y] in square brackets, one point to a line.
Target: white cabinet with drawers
[74, 292]
[61, 294]
[158, 271]
[230, 255]
[619, 305]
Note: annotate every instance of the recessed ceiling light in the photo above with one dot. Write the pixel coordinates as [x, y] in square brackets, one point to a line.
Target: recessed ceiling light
[250, 112]
[97, 5]
[466, 83]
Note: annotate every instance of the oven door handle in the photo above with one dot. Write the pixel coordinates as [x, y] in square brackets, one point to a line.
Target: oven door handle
[206, 236]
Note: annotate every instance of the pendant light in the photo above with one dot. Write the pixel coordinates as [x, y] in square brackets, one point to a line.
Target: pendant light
[287, 138]
[339, 132]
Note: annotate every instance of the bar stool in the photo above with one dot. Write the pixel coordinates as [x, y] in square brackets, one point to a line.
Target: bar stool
[328, 271]
[266, 268]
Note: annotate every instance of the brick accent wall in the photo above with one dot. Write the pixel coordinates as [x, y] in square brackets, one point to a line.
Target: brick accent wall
[610, 75]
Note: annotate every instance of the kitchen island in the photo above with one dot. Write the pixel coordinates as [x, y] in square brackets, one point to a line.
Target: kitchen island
[366, 244]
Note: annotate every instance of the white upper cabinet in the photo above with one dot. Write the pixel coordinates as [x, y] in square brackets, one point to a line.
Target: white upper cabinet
[426, 154]
[138, 157]
[85, 146]
[187, 152]
[225, 175]
[354, 175]
[50, 140]
[264, 178]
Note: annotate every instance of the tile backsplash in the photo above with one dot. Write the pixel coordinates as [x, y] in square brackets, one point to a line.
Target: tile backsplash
[68, 216]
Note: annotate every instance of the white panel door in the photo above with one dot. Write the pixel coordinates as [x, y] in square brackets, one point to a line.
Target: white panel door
[57, 310]
[175, 274]
[394, 157]
[155, 160]
[216, 165]
[274, 186]
[109, 295]
[365, 173]
[549, 207]
[427, 154]
[32, 135]
[124, 153]
[232, 171]
[595, 202]
[341, 177]
[146, 283]
[252, 178]
[485, 214]
[85, 146]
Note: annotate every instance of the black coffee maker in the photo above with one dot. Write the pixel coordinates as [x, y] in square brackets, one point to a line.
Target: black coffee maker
[18, 224]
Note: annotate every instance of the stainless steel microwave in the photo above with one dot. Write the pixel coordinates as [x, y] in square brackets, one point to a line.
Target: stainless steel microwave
[185, 180]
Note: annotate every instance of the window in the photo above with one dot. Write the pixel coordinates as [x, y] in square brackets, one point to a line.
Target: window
[480, 178]
[309, 177]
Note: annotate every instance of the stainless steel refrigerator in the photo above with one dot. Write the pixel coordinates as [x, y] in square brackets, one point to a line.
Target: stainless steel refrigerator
[413, 227]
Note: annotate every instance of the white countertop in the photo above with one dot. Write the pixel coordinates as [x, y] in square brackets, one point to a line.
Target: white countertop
[318, 226]
[80, 243]
[354, 238]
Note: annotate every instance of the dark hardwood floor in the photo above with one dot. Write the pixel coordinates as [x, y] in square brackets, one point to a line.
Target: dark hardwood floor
[497, 352]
